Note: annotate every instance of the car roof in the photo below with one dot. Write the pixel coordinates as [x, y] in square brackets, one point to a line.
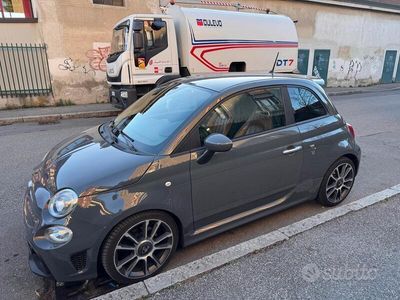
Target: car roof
[222, 83]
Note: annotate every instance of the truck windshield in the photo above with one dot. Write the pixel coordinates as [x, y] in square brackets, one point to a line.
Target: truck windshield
[156, 117]
[119, 40]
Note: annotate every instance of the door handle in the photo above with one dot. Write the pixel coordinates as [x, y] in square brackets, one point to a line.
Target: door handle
[292, 150]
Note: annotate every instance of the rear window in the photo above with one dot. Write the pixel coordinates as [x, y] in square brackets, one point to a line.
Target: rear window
[306, 104]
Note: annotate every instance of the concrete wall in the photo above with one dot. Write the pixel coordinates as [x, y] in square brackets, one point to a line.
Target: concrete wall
[78, 33]
[356, 38]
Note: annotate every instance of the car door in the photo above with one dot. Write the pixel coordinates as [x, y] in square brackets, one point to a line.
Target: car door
[321, 132]
[263, 166]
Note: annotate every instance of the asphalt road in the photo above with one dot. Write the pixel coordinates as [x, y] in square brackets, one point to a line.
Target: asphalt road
[374, 116]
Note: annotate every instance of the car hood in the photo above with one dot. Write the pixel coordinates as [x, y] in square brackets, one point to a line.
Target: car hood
[88, 164]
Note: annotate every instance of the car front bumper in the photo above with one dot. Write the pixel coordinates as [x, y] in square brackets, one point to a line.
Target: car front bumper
[73, 261]
[37, 265]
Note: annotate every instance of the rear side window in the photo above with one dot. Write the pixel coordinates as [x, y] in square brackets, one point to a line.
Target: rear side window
[305, 104]
[244, 114]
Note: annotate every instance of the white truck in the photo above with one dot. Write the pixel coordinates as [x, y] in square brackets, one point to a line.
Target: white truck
[148, 50]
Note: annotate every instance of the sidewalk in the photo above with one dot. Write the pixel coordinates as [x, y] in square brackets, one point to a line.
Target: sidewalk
[353, 257]
[56, 113]
[332, 91]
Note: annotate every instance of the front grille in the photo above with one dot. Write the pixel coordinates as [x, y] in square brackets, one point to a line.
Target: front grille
[78, 260]
[114, 79]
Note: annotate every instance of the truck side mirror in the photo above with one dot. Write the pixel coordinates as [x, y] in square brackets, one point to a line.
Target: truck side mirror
[157, 24]
[138, 41]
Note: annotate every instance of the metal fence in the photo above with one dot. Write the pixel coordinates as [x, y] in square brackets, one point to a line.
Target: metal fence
[24, 70]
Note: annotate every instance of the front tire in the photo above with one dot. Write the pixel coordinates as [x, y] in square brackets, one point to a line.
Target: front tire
[139, 247]
[337, 182]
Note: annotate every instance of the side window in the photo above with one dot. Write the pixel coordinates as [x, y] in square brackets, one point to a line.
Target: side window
[305, 104]
[244, 114]
[156, 40]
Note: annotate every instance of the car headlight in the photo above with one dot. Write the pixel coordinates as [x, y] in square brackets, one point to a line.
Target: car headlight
[63, 203]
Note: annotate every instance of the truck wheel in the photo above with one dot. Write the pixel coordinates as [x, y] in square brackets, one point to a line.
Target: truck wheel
[139, 247]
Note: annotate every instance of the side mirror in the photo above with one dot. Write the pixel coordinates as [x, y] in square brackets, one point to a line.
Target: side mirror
[157, 24]
[216, 142]
[138, 41]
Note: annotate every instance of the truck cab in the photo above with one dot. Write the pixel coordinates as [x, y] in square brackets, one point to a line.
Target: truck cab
[143, 51]
[148, 50]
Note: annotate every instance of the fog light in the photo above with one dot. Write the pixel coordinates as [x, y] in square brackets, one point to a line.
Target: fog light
[58, 234]
[124, 94]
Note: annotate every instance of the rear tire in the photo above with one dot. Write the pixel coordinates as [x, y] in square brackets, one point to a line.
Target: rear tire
[139, 247]
[337, 182]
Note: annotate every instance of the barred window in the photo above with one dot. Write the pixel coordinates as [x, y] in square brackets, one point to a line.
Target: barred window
[109, 2]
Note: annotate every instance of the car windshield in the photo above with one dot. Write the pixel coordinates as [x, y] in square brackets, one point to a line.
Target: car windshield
[158, 115]
[119, 40]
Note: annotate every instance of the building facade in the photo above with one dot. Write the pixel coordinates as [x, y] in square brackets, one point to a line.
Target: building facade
[54, 52]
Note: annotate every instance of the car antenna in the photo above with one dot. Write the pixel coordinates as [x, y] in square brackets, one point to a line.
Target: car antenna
[273, 68]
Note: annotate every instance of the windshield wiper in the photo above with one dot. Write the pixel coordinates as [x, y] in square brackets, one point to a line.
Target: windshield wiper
[128, 139]
[116, 132]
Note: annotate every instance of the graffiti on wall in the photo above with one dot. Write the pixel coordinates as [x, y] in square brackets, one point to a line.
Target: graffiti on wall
[97, 58]
[73, 66]
[353, 69]
[316, 72]
[95, 65]
[356, 70]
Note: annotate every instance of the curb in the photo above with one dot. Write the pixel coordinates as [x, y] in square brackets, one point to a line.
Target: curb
[43, 119]
[170, 278]
[360, 91]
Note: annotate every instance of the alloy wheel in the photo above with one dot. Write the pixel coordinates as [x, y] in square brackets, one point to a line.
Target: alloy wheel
[340, 182]
[143, 249]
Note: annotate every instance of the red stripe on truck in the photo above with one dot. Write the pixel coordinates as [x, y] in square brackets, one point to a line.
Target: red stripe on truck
[214, 47]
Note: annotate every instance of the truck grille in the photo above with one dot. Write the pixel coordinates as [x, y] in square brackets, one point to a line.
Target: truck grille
[114, 79]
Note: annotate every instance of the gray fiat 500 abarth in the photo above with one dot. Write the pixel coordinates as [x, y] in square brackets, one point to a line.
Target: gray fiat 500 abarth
[190, 159]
